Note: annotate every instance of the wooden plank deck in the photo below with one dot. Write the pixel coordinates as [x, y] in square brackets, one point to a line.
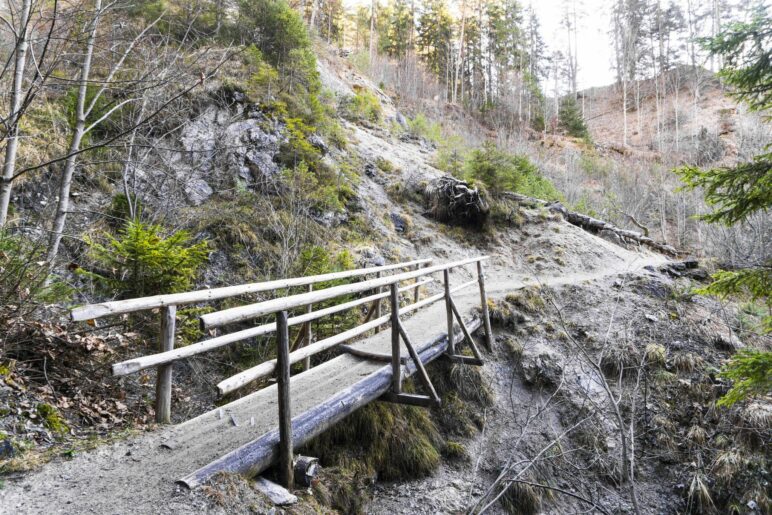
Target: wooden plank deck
[214, 435]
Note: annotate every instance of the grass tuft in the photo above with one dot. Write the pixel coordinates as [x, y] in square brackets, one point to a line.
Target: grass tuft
[455, 451]
[528, 299]
[698, 498]
[656, 355]
[687, 362]
[618, 358]
[521, 499]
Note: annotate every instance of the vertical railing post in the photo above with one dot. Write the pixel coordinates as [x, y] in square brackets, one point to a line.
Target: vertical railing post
[163, 384]
[309, 308]
[449, 312]
[286, 472]
[484, 305]
[396, 365]
[416, 294]
[378, 303]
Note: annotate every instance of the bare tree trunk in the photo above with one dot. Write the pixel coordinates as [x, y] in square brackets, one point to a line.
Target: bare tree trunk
[675, 107]
[77, 136]
[372, 33]
[460, 52]
[9, 164]
[624, 109]
[576, 51]
[314, 12]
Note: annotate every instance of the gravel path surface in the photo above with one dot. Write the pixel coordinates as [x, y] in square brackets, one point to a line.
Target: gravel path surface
[137, 475]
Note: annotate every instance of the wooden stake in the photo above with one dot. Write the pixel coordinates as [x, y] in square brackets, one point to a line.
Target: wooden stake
[378, 303]
[309, 308]
[484, 305]
[417, 293]
[286, 470]
[396, 365]
[163, 384]
[449, 312]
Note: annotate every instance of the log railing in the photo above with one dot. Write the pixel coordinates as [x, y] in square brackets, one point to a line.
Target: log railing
[281, 365]
[253, 455]
[168, 307]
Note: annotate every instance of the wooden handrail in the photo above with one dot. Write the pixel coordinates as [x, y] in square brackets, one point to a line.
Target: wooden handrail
[168, 304]
[134, 365]
[267, 368]
[241, 313]
[118, 307]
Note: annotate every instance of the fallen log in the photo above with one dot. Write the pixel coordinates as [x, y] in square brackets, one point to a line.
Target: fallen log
[593, 225]
[257, 455]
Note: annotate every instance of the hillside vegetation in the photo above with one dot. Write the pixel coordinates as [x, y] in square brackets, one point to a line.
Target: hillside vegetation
[156, 147]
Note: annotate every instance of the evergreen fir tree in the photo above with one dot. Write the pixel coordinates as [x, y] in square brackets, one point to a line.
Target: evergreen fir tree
[571, 120]
[736, 192]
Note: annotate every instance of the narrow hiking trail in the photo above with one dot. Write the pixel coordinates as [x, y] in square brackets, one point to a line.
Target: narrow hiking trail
[138, 475]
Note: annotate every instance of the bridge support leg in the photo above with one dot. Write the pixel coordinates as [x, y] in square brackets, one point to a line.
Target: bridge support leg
[286, 469]
[484, 306]
[397, 332]
[396, 361]
[449, 313]
[163, 383]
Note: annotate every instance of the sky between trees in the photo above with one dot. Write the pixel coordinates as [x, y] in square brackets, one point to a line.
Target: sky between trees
[596, 52]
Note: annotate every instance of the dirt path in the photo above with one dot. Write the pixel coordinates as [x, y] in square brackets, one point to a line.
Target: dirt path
[137, 475]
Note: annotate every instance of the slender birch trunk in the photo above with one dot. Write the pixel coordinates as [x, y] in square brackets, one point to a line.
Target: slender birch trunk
[77, 136]
[17, 95]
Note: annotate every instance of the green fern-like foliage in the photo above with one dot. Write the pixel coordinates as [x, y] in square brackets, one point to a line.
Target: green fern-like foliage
[739, 191]
[754, 282]
[751, 373]
[746, 48]
[141, 261]
[734, 192]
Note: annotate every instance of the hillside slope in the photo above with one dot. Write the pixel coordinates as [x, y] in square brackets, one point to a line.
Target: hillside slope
[587, 331]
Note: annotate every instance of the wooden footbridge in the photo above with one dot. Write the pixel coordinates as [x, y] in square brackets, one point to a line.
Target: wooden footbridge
[259, 429]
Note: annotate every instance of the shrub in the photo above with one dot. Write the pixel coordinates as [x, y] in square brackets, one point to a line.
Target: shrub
[263, 81]
[364, 106]
[451, 156]
[24, 279]
[140, 261]
[316, 260]
[501, 171]
[421, 127]
[275, 28]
